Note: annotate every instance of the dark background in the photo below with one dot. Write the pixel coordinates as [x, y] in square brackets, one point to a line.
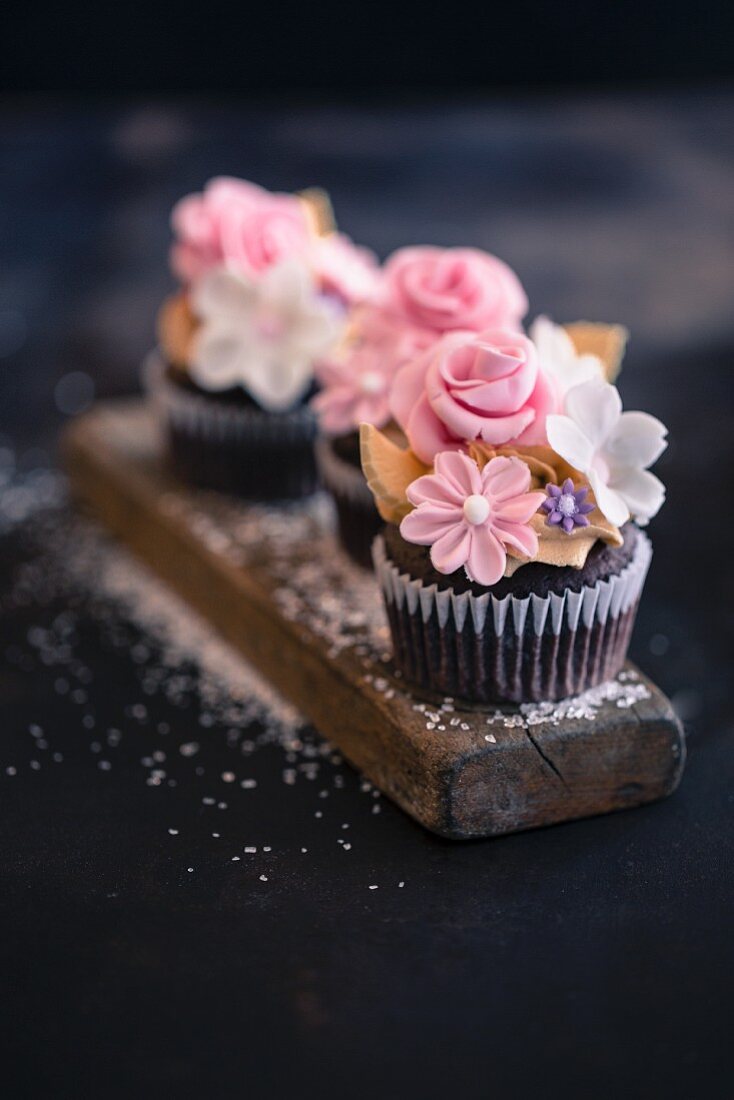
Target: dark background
[592, 148]
[328, 46]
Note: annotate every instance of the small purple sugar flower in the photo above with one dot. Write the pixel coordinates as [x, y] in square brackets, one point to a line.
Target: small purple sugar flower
[565, 506]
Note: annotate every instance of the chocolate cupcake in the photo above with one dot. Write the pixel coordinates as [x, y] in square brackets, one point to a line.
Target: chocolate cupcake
[358, 520]
[267, 289]
[511, 571]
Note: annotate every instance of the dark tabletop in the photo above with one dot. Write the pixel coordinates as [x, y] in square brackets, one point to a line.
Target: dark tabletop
[592, 959]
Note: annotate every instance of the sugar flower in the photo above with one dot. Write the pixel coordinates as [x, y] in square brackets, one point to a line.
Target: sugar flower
[238, 223]
[469, 517]
[451, 289]
[612, 449]
[354, 390]
[558, 356]
[469, 386]
[566, 507]
[262, 334]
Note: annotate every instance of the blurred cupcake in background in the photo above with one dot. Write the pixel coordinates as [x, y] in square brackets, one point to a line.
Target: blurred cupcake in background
[423, 293]
[267, 286]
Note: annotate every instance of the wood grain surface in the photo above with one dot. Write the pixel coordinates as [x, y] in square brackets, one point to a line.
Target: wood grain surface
[487, 772]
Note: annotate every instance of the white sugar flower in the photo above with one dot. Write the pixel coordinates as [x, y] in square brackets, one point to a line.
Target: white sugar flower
[558, 356]
[613, 449]
[261, 333]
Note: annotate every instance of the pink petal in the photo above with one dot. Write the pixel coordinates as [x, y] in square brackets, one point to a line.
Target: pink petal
[438, 490]
[406, 389]
[487, 557]
[522, 537]
[460, 471]
[544, 401]
[451, 550]
[504, 478]
[427, 525]
[519, 509]
[425, 432]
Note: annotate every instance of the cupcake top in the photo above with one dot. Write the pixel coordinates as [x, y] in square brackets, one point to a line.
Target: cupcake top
[516, 449]
[266, 286]
[422, 294]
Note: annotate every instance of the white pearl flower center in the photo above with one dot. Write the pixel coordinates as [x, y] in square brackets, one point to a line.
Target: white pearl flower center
[566, 505]
[476, 509]
[371, 382]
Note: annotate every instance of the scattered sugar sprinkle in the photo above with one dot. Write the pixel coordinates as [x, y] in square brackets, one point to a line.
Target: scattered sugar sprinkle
[181, 659]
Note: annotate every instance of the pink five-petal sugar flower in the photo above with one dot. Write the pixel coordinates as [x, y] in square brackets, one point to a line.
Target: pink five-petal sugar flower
[469, 517]
[354, 391]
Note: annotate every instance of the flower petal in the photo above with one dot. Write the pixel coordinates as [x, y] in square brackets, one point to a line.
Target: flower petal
[451, 550]
[223, 296]
[276, 382]
[504, 478]
[596, 408]
[638, 440]
[520, 535]
[611, 505]
[217, 361]
[426, 434]
[519, 509]
[568, 440]
[288, 285]
[642, 492]
[487, 557]
[426, 525]
[438, 490]
[460, 472]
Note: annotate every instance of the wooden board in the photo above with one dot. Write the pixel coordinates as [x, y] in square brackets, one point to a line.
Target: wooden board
[274, 583]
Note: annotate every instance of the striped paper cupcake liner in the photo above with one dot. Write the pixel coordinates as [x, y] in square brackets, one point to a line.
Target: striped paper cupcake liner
[488, 650]
[233, 448]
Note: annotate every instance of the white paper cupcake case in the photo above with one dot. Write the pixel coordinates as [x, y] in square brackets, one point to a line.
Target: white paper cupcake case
[485, 649]
[229, 447]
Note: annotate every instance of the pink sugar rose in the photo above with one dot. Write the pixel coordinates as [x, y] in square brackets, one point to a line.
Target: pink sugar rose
[468, 517]
[355, 390]
[447, 289]
[238, 222]
[486, 386]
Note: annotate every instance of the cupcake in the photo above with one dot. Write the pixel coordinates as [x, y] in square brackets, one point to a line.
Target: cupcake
[267, 285]
[422, 294]
[513, 556]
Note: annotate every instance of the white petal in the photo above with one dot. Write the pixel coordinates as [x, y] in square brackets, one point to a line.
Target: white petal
[558, 358]
[642, 492]
[544, 335]
[223, 295]
[596, 407]
[315, 333]
[287, 284]
[277, 382]
[568, 440]
[638, 440]
[610, 503]
[218, 360]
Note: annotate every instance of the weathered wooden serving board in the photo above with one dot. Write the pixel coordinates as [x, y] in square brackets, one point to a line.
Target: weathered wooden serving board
[274, 583]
